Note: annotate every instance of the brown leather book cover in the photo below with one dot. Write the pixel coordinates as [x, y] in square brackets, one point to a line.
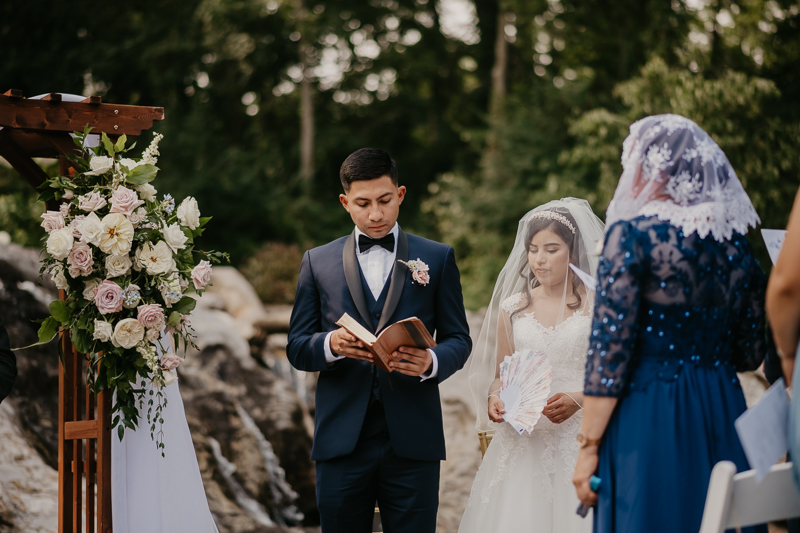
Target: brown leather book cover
[407, 332]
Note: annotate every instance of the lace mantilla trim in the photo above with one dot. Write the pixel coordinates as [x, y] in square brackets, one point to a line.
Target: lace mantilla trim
[720, 219]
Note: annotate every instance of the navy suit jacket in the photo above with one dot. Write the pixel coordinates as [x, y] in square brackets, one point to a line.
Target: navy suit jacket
[329, 286]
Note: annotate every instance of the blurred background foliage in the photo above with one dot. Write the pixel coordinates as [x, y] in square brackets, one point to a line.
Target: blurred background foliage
[490, 107]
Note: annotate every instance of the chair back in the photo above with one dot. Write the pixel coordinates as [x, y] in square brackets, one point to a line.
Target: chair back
[484, 439]
[737, 500]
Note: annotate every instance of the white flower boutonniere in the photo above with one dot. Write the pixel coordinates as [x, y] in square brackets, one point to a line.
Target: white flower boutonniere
[419, 271]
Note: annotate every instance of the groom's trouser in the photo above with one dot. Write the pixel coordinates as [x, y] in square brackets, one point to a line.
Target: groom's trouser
[407, 491]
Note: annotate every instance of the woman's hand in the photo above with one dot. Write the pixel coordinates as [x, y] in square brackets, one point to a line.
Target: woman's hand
[496, 409]
[586, 467]
[560, 407]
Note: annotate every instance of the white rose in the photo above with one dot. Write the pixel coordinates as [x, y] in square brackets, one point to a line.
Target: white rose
[128, 333]
[103, 331]
[88, 288]
[91, 229]
[175, 237]
[189, 213]
[147, 192]
[57, 274]
[117, 234]
[59, 243]
[117, 265]
[100, 164]
[169, 376]
[155, 259]
[129, 163]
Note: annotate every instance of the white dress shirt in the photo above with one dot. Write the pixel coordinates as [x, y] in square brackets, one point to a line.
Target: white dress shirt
[376, 265]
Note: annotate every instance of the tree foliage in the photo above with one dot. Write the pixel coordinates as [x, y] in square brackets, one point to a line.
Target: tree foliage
[395, 74]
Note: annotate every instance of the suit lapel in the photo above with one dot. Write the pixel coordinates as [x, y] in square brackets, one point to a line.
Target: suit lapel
[353, 277]
[399, 273]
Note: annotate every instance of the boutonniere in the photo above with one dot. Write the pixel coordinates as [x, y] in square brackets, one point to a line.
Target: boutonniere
[419, 271]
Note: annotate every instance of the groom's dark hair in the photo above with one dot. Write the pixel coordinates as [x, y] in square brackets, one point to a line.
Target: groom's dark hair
[367, 164]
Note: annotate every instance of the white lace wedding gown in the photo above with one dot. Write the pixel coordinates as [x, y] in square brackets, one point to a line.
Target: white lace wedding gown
[525, 481]
[154, 494]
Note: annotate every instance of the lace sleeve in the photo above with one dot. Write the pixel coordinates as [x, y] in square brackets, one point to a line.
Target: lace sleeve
[750, 336]
[614, 326]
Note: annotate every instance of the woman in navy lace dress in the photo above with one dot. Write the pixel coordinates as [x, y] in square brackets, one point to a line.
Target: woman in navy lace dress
[679, 310]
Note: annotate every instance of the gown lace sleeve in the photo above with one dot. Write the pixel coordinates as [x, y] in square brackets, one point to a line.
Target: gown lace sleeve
[614, 325]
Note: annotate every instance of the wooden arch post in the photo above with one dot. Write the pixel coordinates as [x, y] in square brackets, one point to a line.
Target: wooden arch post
[41, 128]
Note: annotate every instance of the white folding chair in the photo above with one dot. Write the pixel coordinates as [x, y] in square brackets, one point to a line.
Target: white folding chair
[736, 500]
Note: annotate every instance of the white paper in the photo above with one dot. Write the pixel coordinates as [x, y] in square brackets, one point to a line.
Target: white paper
[511, 400]
[773, 238]
[764, 429]
[585, 277]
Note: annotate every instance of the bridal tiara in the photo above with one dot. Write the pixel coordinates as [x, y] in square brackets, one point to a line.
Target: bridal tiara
[552, 215]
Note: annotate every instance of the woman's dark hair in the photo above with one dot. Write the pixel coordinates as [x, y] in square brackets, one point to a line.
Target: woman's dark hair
[367, 164]
[535, 225]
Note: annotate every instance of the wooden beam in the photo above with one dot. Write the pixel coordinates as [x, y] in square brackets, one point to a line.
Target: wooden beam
[13, 93]
[82, 429]
[104, 519]
[66, 397]
[52, 97]
[38, 115]
[23, 164]
[92, 100]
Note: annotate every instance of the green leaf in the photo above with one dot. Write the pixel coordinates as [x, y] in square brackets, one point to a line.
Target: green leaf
[185, 306]
[204, 221]
[80, 340]
[174, 319]
[49, 194]
[60, 311]
[48, 330]
[142, 174]
[108, 145]
[120, 146]
[120, 429]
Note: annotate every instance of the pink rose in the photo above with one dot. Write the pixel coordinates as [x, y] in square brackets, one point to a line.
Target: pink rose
[76, 222]
[152, 335]
[91, 202]
[80, 260]
[108, 297]
[124, 201]
[170, 361]
[52, 220]
[421, 276]
[201, 274]
[151, 316]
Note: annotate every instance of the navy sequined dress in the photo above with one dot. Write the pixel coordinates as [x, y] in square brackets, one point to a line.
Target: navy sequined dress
[676, 316]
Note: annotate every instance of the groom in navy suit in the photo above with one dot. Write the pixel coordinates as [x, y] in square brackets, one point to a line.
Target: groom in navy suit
[377, 436]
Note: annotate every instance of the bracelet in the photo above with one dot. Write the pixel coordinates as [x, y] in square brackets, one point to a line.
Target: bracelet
[495, 395]
[580, 407]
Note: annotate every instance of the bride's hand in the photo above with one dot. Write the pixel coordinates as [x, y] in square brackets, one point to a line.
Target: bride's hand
[560, 407]
[496, 409]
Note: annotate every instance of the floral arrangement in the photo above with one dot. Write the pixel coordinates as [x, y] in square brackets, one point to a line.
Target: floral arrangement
[419, 271]
[125, 261]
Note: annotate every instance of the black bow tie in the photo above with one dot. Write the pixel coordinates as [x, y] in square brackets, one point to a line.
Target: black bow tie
[386, 242]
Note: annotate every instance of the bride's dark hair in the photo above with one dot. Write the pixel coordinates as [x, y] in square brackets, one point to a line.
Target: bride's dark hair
[572, 240]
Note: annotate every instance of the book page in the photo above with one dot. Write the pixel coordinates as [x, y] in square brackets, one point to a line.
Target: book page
[351, 324]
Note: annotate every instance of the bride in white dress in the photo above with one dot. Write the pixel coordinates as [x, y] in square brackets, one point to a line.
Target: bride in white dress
[525, 481]
[155, 494]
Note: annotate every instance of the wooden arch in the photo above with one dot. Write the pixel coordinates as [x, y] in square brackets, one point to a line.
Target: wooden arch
[41, 128]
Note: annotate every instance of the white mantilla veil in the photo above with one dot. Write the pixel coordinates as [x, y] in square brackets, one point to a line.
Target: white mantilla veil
[495, 340]
[674, 170]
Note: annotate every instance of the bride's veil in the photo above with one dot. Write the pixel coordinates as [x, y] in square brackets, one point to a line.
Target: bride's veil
[495, 339]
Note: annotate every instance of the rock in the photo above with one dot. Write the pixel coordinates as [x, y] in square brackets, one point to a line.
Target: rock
[22, 264]
[239, 298]
[28, 486]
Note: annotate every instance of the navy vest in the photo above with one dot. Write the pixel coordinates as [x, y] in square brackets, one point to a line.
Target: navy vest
[375, 312]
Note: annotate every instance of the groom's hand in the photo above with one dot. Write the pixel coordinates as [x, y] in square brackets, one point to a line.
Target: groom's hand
[343, 343]
[411, 361]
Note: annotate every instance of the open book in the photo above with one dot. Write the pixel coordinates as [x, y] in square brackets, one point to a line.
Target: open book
[406, 332]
